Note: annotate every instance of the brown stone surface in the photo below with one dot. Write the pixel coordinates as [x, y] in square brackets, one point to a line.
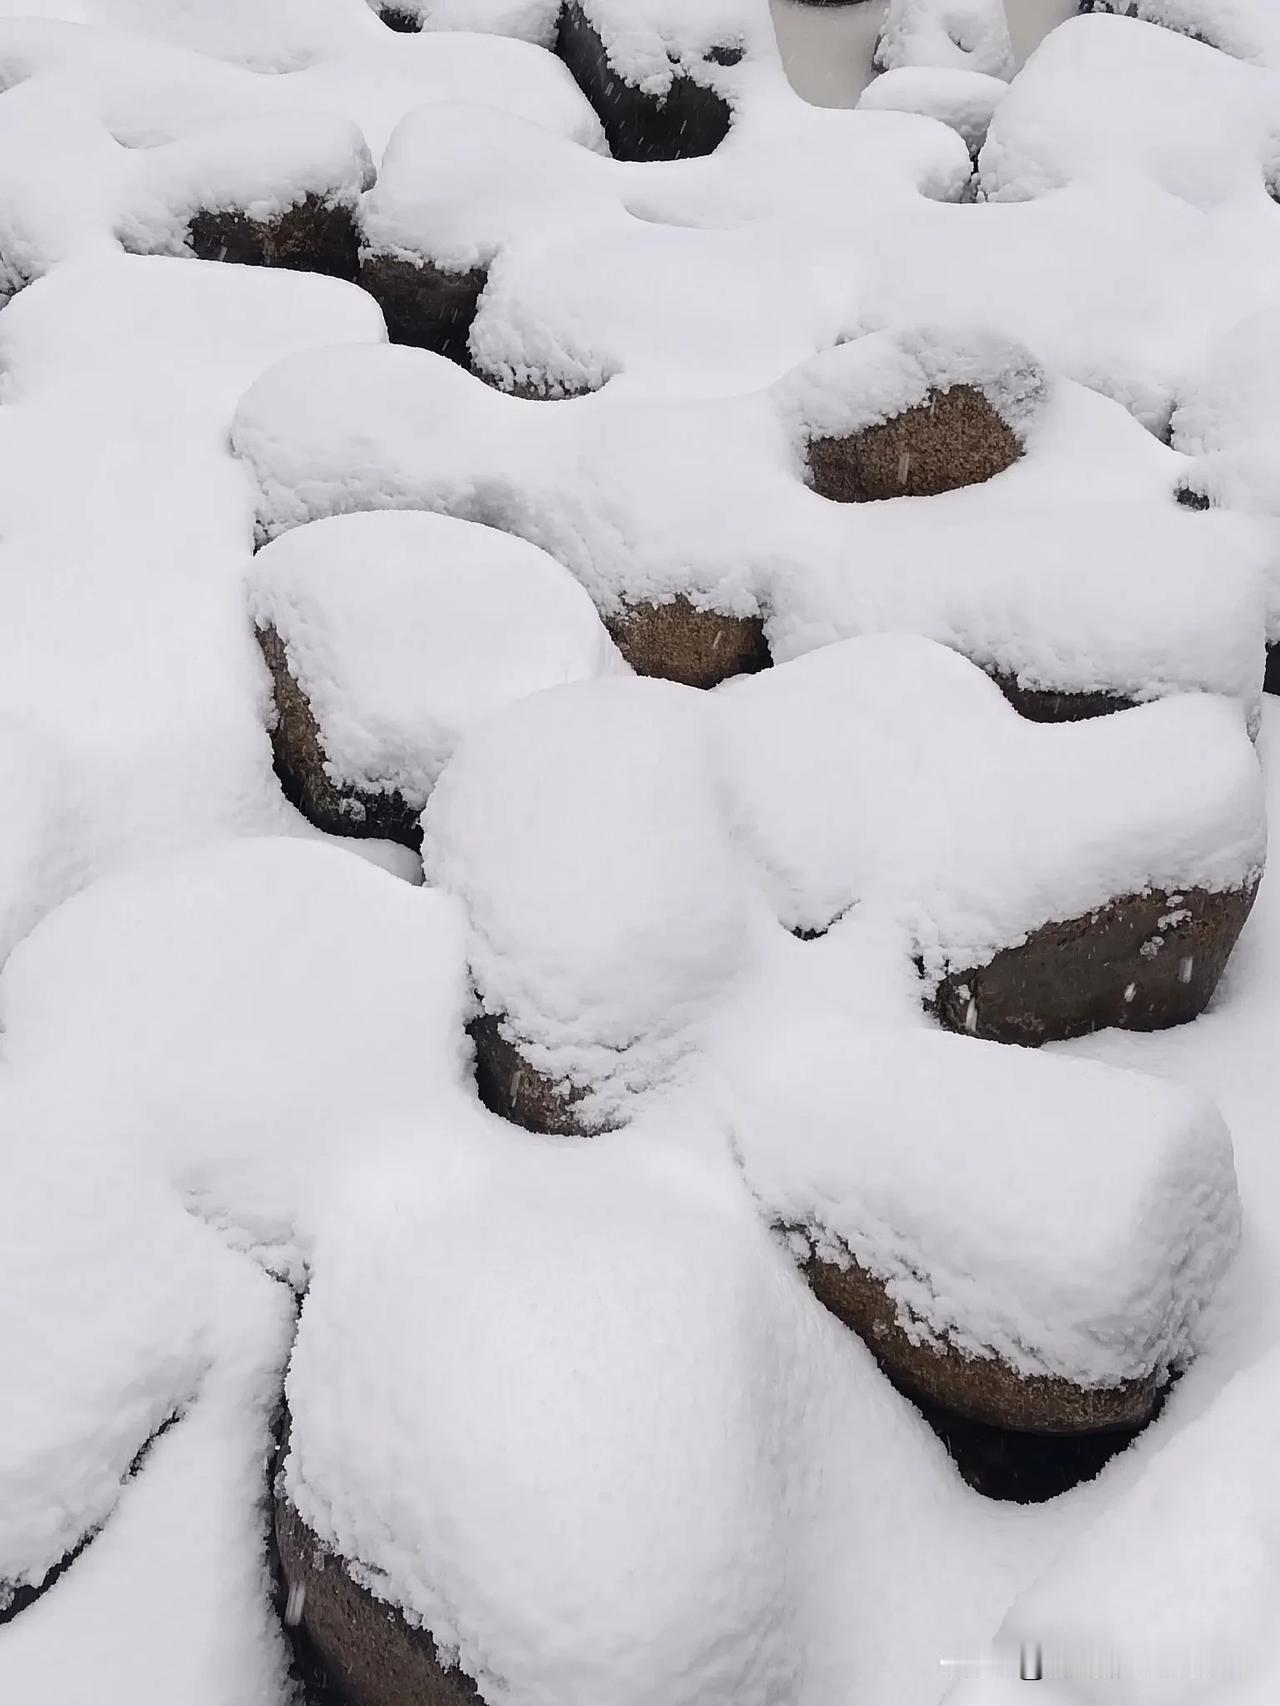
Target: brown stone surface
[679, 642]
[984, 1389]
[510, 1087]
[310, 237]
[1054, 705]
[689, 121]
[365, 1651]
[532, 390]
[423, 305]
[1116, 966]
[299, 756]
[954, 439]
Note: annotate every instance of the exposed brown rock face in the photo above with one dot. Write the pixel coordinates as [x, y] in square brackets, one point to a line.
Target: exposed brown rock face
[984, 1389]
[690, 120]
[311, 237]
[954, 439]
[679, 642]
[532, 390]
[510, 1087]
[1142, 963]
[367, 1652]
[298, 749]
[423, 305]
[1055, 705]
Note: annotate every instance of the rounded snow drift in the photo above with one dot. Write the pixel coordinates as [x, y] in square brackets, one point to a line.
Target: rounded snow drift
[1022, 1240]
[386, 634]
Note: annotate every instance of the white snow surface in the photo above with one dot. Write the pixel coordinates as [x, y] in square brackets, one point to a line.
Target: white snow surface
[963, 100]
[570, 1404]
[654, 842]
[402, 628]
[1070, 1222]
[653, 1551]
[645, 498]
[109, 138]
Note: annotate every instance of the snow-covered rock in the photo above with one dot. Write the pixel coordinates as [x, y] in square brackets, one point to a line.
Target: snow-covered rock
[570, 1461]
[653, 844]
[1127, 595]
[1026, 1239]
[386, 635]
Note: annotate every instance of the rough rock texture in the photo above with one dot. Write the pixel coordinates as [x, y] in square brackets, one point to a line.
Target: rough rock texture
[364, 1650]
[531, 390]
[679, 642]
[300, 759]
[423, 305]
[954, 439]
[1142, 963]
[312, 236]
[690, 120]
[1052, 705]
[984, 1389]
[407, 23]
[510, 1087]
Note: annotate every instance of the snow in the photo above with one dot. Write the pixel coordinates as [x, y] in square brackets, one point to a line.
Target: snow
[125, 529]
[970, 36]
[402, 629]
[571, 1404]
[1249, 29]
[645, 498]
[652, 839]
[1203, 1622]
[964, 100]
[663, 1486]
[1228, 420]
[1064, 1217]
[336, 992]
[107, 136]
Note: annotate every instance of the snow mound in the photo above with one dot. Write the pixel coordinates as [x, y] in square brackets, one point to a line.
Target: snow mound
[1228, 419]
[1070, 1222]
[39, 843]
[109, 137]
[576, 1467]
[1103, 95]
[1129, 593]
[601, 267]
[1249, 29]
[970, 36]
[402, 629]
[124, 528]
[652, 841]
[963, 100]
[334, 993]
[1171, 1589]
